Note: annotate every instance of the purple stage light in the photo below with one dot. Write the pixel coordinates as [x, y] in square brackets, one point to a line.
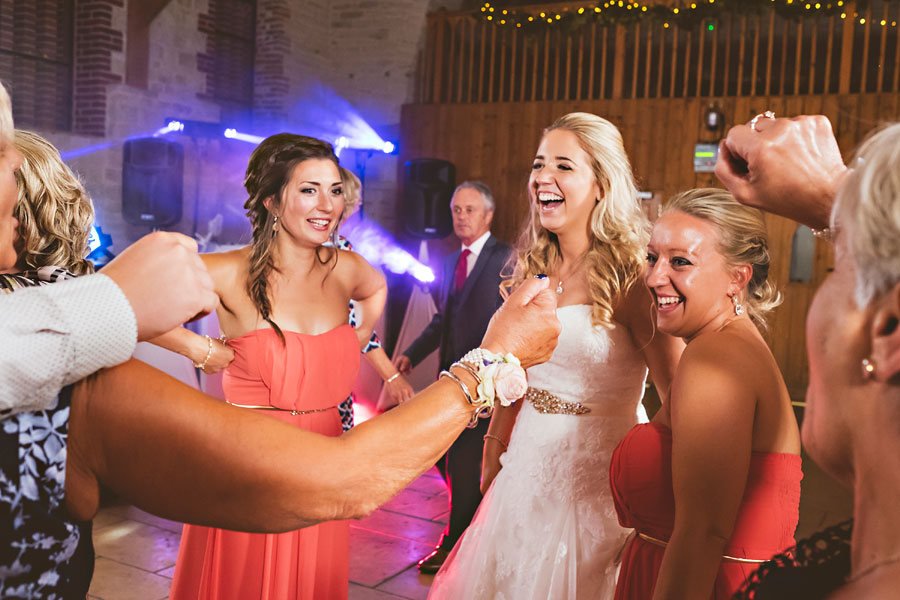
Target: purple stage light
[234, 134]
[377, 246]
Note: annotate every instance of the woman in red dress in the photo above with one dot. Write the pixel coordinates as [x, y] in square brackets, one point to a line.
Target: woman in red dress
[712, 484]
[283, 307]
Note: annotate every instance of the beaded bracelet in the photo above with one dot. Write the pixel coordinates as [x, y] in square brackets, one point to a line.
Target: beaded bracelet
[202, 365]
[823, 234]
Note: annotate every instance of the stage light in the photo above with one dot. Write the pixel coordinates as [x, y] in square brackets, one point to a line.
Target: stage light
[339, 144]
[98, 247]
[389, 148]
[233, 134]
[378, 247]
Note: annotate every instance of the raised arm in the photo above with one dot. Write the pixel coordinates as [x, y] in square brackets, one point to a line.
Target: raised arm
[712, 427]
[207, 353]
[179, 454]
[57, 334]
[789, 167]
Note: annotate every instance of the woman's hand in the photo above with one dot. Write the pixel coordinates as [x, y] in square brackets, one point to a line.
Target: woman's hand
[526, 324]
[789, 167]
[399, 389]
[220, 357]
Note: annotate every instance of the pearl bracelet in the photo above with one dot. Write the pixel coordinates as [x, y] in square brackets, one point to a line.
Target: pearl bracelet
[202, 365]
[823, 234]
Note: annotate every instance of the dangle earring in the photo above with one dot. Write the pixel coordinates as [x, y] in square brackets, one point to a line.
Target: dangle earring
[868, 368]
[275, 225]
[738, 307]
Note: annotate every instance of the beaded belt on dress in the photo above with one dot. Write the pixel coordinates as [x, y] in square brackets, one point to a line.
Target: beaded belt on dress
[549, 404]
[268, 407]
[662, 543]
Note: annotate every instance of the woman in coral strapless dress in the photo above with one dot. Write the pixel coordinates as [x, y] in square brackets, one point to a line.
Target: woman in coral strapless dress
[712, 484]
[284, 309]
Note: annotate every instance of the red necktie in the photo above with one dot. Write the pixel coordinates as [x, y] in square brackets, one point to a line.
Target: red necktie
[462, 268]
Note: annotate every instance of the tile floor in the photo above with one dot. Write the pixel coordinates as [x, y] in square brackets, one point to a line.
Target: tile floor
[136, 551]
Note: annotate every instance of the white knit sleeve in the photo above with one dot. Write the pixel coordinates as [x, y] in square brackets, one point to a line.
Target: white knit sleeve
[54, 335]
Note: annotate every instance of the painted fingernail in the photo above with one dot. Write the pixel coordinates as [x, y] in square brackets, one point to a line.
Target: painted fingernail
[540, 276]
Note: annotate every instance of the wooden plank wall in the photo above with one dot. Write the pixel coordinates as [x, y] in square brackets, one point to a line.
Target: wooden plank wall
[469, 59]
[496, 142]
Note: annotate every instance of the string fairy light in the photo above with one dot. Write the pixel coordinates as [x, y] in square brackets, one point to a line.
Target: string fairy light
[699, 13]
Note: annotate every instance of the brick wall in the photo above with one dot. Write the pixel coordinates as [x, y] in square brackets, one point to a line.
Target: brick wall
[364, 51]
[97, 40]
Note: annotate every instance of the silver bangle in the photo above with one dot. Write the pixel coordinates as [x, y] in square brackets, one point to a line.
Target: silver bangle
[468, 367]
[392, 377]
[479, 410]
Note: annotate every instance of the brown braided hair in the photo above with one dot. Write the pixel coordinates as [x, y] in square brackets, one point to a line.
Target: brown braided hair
[268, 171]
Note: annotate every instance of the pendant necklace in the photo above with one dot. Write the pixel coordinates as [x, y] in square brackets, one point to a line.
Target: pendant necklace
[559, 286]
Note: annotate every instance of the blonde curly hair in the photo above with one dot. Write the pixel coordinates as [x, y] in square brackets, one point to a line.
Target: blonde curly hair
[352, 192]
[616, 257]
[55, 212]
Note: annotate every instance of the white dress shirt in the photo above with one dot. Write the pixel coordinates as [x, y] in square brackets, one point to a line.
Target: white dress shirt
[54, 335]
[475, 250]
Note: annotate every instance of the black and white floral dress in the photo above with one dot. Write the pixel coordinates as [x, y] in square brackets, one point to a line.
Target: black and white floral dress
[44, 553]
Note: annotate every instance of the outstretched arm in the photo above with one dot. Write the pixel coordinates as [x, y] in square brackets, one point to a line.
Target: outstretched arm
[212, 353]
[180, 454]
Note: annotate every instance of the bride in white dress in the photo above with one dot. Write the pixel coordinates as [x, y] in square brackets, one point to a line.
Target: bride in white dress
[547, 527]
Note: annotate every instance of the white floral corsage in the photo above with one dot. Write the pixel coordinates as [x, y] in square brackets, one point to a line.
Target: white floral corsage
[501, 376]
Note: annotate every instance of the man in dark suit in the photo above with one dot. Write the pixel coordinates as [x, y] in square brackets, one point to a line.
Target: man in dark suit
[469, 295]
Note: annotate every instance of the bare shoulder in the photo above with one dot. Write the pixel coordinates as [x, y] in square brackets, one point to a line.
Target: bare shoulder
[720, 361]
[228, 269]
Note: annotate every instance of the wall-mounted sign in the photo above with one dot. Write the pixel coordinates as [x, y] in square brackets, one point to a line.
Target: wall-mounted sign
[705, 156]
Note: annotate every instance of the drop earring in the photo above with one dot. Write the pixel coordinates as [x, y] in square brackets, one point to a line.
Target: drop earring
[275, 225]
[738, 307]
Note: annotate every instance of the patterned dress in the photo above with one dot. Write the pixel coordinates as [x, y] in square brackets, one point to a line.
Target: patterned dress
[346, 407]
[45, 553]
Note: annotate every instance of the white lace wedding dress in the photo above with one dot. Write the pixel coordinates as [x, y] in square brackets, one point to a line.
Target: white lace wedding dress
[547, 528]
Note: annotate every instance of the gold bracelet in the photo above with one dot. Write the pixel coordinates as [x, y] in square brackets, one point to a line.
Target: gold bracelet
[202, 365]
[489, 436]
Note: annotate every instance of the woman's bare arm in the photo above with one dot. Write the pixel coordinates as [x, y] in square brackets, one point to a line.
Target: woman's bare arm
[180, 454]
[712, 429]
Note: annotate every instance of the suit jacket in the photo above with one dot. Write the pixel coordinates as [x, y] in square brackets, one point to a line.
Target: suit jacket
[463, 317]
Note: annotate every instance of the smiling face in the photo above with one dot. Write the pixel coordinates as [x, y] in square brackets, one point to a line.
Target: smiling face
[10, 160]
[312, 202]
[688, 275]
[562, 185]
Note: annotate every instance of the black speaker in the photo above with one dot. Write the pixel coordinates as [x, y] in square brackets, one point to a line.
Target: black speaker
[428, 185]
[152, 182]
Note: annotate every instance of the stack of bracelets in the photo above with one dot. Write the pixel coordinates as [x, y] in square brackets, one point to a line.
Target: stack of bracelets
[498, 376]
